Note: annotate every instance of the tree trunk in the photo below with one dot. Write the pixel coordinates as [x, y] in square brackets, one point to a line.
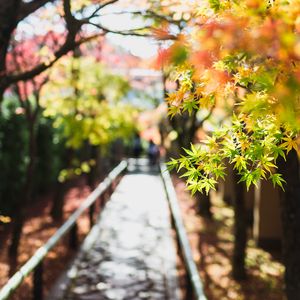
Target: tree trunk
[58, 201]
[186, 126]
[8, 17]
[61, 189]
[240, 232]
[28, 187]
[290, 204]
[16, 233]
[93, 174]
[204, 205]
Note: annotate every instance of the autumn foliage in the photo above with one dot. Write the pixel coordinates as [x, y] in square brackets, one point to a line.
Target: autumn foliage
[242, 57]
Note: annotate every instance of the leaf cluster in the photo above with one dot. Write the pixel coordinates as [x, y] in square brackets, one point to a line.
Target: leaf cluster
[244, 59]
[251, 146]
[84, 100]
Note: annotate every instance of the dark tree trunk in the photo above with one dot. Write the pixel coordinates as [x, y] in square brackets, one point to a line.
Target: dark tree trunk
[61, 189]
[16, 233]
[204, 205]
[186, 126]
[28, 188]
[93, 174]
[58, 201]
[290, 204]
[240, 232]
[8, 20]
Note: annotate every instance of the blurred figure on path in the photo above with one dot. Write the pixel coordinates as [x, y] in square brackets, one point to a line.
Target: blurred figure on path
[153, 153]
[137, 146]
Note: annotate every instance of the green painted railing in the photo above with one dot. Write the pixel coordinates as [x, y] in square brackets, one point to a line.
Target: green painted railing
[35, 262]
[194, 288]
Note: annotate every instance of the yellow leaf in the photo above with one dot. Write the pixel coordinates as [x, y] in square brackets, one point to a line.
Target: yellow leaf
[290, 144]
[5, 219]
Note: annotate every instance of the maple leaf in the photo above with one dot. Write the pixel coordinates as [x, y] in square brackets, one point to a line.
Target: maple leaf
[290, 144]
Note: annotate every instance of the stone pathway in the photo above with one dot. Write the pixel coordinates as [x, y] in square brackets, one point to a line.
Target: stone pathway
[129, 254]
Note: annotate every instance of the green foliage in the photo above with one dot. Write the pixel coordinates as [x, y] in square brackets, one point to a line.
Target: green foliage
[50, 155]
[78, 168]
[215, 4]
[13, 156]
[253, 151]
[85, 103]
[179, 55]
[84, 100]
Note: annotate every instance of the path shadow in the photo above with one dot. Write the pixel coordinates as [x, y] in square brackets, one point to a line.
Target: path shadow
[216, 255]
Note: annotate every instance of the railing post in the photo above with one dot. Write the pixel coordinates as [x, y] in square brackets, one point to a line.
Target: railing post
[73, 237]
[194, 287]
[189, 295]
[178, 245]
[106, 195]
[111, 189]
[114, 184]
[38, 282]
[91, 215]
[100, 200]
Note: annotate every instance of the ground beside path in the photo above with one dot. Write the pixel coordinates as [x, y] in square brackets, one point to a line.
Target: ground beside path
[212, 245]
[129, 253]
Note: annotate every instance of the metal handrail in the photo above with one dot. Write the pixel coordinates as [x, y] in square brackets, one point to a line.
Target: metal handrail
[184, 244]
[15, 281]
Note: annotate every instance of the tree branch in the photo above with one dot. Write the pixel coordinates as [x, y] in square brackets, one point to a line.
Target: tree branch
[73, 25]
[94, 14]
[152, 14]
[143, 13]
[65, 48]
[27, 8]
[107, 3]
[133, 32]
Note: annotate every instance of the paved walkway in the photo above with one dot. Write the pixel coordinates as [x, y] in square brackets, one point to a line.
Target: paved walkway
[129, 254]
